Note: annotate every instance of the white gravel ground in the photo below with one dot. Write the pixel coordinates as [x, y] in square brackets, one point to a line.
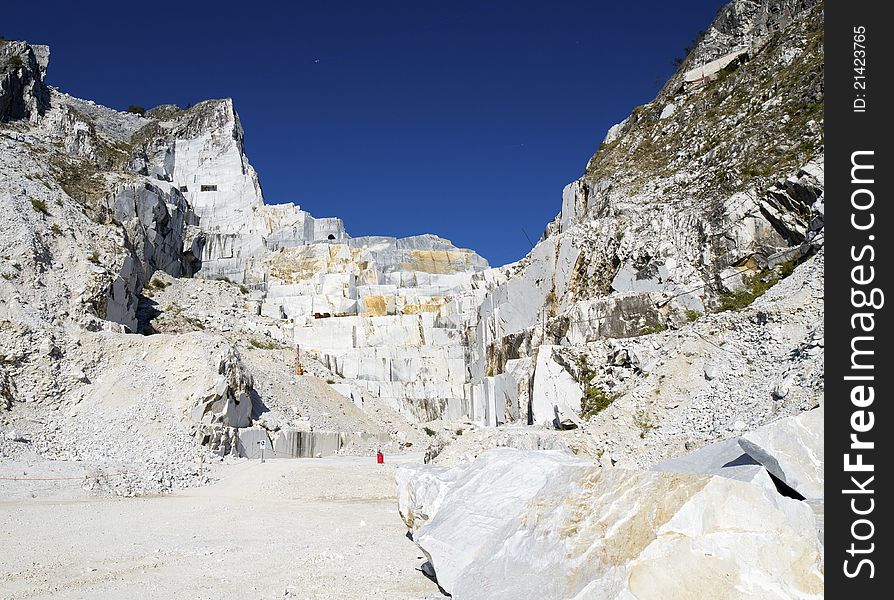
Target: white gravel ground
[312, 528]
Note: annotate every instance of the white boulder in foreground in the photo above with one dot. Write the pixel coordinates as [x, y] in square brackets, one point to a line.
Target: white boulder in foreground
[528, 524]
[792, 449]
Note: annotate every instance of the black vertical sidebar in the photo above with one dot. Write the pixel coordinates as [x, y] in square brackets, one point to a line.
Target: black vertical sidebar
[859, 424]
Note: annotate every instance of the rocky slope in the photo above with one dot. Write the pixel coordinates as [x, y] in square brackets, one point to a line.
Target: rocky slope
[667, 393]
[696, 204]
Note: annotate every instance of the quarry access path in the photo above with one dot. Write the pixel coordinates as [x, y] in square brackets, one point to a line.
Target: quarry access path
[305, 528]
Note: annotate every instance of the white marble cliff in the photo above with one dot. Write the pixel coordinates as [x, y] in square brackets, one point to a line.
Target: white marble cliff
[379, 311]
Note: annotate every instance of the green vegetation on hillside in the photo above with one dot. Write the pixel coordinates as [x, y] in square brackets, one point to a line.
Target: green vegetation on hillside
[745, 129]
[756, 285]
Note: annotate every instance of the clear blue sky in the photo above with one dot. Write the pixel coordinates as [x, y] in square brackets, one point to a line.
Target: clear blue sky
[463, 119]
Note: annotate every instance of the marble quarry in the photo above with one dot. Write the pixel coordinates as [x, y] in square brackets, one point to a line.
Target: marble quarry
[432, 329]
[387, 315]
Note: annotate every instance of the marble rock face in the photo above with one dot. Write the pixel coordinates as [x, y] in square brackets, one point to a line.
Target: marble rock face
[557, 394]
[154, 218]
[296, 443]
[371, 306]
[522, 524]
[616, 316]
[23, 93]
[227, 398]
[793, 450]
[200, 151]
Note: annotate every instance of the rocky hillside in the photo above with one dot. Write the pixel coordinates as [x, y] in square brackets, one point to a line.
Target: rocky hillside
[660, 352]
[697, 203]
[23, 94]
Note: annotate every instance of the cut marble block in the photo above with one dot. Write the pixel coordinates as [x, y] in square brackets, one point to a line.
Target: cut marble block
[545, 524]
[556, 393]
[792, 449]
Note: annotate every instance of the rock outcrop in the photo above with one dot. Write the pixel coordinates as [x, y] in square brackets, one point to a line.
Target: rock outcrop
[23, 93]
[154, 221]
[556, 393]
[696, 203]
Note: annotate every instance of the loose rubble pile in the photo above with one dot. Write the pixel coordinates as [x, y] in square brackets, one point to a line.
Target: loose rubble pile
[139, 411]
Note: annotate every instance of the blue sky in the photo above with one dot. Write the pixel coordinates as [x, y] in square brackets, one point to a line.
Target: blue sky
[464, 119]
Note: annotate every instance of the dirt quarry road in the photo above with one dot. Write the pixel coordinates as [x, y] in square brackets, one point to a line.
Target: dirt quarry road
[312, 528]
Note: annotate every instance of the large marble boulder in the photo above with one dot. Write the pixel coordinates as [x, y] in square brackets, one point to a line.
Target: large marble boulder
[522, 524]
[453, 533]
[793, 450]
[557, 394]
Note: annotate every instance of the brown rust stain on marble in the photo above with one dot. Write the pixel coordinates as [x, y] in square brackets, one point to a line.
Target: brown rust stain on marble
[626, 526]
[376, 306]
[295, 267]
[440, 262]
[615, 515]
[302, 263]
[431, 305]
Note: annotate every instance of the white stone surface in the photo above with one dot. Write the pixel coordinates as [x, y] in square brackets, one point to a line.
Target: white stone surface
[574, 203]
[615, 316]
[725, 459]
[793, 450]
[709, 70]
[348, 391]
[521, 524]
[452, 536]
[556, 393]
[420, 490]
[668, 111]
